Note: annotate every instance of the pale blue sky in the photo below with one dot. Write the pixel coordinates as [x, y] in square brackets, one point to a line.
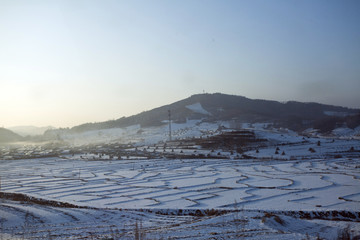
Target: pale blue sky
[63, 63]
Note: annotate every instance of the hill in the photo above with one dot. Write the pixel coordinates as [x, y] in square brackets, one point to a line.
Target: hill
[29, 130]
[221, 107]
[8, 136]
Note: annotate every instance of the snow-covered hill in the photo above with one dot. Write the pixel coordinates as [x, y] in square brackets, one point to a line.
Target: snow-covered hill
[192, 129]
[221, 107]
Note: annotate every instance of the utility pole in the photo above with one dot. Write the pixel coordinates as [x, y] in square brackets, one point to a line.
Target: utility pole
[169, 124]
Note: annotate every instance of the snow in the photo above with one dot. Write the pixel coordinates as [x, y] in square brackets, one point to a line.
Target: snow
[197, 108]
[165, 195]
[346, 132]
[148, 136]
[186, 184]
[42, 222]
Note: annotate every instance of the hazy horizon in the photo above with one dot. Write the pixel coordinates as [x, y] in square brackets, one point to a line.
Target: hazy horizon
[46, 126]
[65, 63]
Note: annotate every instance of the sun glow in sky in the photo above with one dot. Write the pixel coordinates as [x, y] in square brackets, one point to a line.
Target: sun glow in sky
[64, 63]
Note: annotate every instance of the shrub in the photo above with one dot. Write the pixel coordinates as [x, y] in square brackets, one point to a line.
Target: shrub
[275, 217]
[312, 150]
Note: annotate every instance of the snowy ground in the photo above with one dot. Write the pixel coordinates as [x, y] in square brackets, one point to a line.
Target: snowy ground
[190, 129]
[189, 184]
[26, 221]
[278, 191]
[251, 186]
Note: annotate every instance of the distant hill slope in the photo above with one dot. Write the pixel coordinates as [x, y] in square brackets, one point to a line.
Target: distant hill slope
[29, 130]
[216, 107]
[8, 136]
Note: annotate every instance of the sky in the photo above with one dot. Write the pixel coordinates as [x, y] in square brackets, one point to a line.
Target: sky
[64, 63]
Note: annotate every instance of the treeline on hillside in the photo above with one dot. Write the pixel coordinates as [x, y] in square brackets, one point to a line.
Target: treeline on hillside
[330, 123]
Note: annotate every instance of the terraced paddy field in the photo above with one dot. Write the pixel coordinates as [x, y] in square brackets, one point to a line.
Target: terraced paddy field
[179, 198]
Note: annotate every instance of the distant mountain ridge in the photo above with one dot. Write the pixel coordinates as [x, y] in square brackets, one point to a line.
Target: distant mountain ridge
[30, 130]
[223, 107]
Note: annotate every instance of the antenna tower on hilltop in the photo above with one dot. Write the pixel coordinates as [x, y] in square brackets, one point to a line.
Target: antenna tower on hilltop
[169, 124]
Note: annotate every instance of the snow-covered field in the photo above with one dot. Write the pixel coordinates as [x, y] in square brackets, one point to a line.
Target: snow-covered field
[189, 184]
[164, 185]
[290, 187]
